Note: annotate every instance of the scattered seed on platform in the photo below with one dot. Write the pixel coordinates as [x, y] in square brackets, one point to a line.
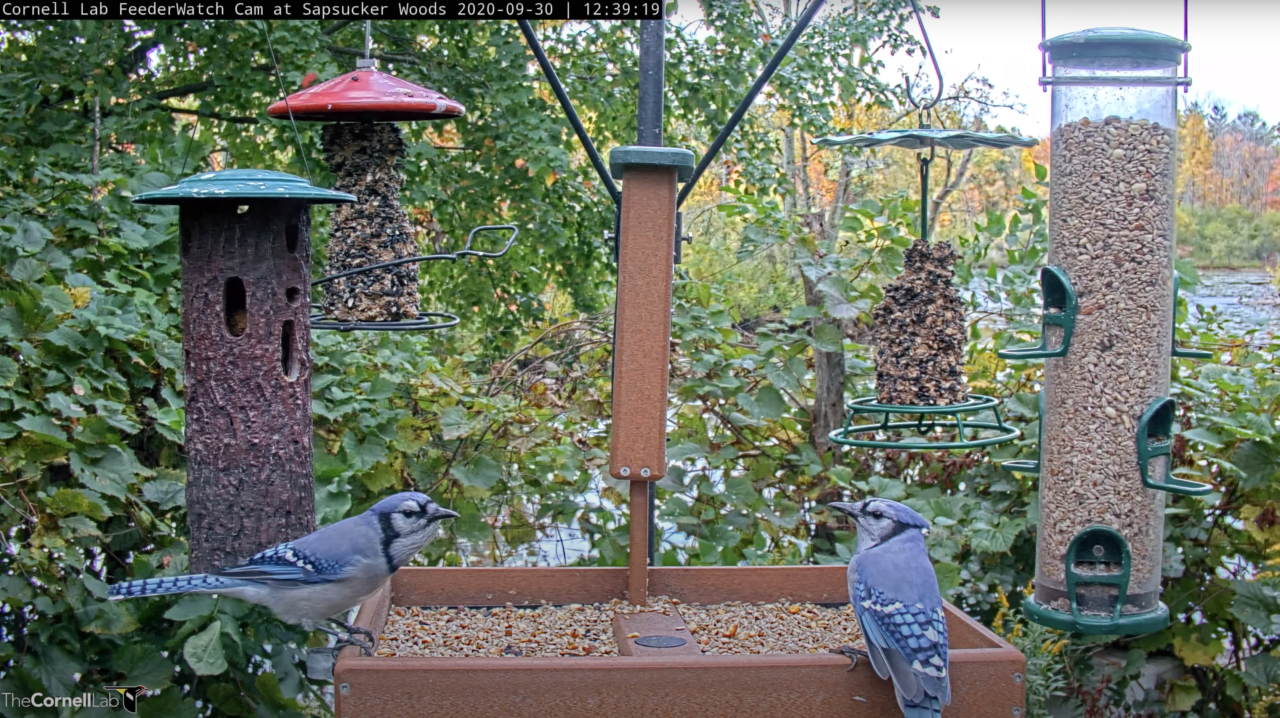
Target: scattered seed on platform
[747, 628]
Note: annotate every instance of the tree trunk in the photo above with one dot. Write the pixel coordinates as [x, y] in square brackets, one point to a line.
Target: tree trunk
[827, 412]
[248, 378]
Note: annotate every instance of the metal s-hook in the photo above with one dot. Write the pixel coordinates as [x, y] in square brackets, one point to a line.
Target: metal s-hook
[924, 107]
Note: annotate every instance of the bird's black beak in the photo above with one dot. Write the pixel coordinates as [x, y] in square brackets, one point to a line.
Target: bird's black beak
[440, 513]
[850, 510]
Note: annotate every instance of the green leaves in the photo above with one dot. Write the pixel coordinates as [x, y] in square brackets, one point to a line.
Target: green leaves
[481, 473]
[203, 651]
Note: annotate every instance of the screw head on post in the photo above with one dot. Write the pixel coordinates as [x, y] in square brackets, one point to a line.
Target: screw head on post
[625, 471]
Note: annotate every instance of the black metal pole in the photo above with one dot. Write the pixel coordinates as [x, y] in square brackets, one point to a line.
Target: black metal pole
[741, 111]
[653, 38]
[653, 51]
[567, 105]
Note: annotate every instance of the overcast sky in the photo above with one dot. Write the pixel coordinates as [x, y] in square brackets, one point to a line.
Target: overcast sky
[1235, 46]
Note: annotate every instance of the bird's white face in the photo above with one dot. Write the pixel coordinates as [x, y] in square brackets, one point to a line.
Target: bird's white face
[875, 521]
[409, 526]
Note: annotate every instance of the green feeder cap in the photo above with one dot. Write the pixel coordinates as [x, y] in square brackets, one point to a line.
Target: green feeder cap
[242, 184]
[1116, 43]
[623, 158]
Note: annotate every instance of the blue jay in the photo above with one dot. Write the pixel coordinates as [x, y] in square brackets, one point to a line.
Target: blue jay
[895, 596]
[322, 574]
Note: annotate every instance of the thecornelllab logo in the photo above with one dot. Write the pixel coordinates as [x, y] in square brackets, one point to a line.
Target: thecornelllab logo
[129, 696]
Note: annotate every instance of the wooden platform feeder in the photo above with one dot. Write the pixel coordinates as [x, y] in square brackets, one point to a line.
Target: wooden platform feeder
[246, 263]
[987, 673]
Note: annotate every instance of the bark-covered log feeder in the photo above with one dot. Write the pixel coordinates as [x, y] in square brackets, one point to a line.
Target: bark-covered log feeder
[372, 280]
[246, 258]
[920, 327]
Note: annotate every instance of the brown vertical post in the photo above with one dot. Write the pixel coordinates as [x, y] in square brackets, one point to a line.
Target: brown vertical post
[642, 331]
[245, 251]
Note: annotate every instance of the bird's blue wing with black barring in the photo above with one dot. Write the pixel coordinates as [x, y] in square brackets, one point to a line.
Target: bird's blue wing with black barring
[284, 564]
[906, 640]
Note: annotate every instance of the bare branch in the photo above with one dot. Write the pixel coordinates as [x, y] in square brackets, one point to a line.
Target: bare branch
[212, 115]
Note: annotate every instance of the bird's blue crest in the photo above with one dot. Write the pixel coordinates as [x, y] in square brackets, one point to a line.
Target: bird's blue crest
[392, 503]
[901, 513]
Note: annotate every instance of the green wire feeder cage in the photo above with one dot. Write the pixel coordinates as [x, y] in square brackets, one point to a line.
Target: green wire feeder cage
[945, 420]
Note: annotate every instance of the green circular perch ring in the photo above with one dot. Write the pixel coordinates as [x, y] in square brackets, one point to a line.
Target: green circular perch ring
[927, 420]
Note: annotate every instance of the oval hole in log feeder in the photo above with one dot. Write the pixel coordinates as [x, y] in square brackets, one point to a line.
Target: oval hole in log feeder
[291, 236]
[235, 306]
[292, 295]
[184, 235]
[288, 356]
[242, 209]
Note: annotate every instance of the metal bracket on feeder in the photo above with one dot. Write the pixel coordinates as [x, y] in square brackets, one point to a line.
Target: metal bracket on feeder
[1178, 352]
[681, 237]
[1030, 466]
[424, 321]
[1155, 439]
[924, 423]
[1060, 308]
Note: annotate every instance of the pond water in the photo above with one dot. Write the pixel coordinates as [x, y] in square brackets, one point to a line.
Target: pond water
[1247, 299]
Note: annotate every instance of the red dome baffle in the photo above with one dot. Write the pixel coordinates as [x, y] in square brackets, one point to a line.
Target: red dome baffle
[366, 95]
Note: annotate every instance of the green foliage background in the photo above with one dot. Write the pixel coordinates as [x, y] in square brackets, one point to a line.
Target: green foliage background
[505, 419]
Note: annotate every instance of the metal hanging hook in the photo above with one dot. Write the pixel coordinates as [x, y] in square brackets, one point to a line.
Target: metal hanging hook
[368, 38]
[926, 106]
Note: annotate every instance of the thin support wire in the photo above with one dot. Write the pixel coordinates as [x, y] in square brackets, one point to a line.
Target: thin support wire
[1186, 56]
[368, 38]
[925, 107]
[190, 138]
[301, 151]
[1044, 56]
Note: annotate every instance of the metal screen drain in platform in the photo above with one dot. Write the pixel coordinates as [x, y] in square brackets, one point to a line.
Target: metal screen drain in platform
[660, 641]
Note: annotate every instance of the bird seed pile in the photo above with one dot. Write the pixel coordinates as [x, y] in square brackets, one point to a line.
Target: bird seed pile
[919, 330]
[572, 630]
[1111, 230]
[742, 628]
[587, 629]
[371, 230]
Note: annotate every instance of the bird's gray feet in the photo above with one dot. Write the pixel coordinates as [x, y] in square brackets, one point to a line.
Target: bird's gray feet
[353, 630]
[853, 654]
[347, 639]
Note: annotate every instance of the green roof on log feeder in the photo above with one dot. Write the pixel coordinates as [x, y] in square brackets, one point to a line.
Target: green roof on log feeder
[242, 184]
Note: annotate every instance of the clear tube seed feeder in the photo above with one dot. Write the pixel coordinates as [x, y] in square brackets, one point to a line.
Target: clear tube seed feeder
[1106, 424]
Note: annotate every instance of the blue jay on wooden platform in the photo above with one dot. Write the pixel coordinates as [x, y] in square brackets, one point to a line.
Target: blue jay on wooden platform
[322, 574]
[895, 597]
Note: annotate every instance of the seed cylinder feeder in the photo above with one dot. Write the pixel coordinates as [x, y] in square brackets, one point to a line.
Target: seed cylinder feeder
[246, 259]
[1109, 305]
[364, 149]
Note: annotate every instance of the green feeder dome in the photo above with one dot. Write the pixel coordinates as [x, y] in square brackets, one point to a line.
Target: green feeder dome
[242, 184]
[1115, 43]
[924, 138]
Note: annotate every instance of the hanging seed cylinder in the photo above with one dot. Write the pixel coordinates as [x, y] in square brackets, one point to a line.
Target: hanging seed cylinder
[1111, 230]
[920, 331]
[364, 150]
[245, 249]
[374, 229]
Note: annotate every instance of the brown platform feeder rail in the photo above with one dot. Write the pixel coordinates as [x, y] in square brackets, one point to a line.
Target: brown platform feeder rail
[987, 674]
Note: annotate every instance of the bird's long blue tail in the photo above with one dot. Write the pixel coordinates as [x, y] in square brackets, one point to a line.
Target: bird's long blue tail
[930, 707]
[171, 584]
